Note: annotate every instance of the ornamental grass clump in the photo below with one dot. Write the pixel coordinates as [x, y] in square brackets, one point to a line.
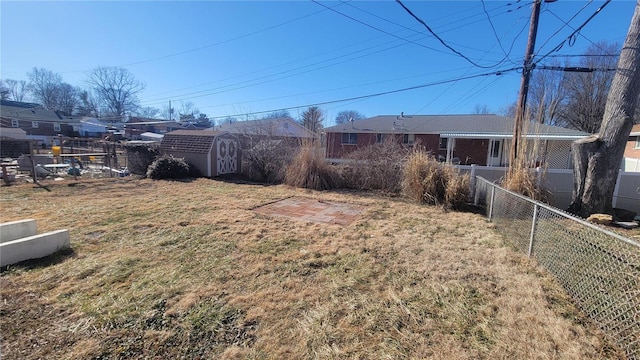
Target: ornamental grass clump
[428, 181]
[310, 170]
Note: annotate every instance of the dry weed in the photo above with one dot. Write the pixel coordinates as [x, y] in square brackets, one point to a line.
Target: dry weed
[310, 170]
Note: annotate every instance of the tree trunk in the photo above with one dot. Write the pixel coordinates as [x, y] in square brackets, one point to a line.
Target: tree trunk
[597, 158]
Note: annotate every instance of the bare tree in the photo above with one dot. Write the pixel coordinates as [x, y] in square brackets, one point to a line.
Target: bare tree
[278, 114]
[597, 158]
[168, 113]
[116, 89]
[312, 119]
[88, 105]
[68, 99]
[347, 115]
[481, 109]
[547, 94]
[45, 86]
[18, 89]
[148, 112]
[4, 91]
[187, 112]
[587, 91]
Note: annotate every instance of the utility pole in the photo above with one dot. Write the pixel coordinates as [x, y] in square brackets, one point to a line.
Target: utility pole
[524, 84]
[170, 110]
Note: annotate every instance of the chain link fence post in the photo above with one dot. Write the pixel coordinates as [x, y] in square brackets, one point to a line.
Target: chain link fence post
[533, 228]
[493, 196]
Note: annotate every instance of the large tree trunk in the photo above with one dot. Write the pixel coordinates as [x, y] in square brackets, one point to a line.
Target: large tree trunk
[597, 159]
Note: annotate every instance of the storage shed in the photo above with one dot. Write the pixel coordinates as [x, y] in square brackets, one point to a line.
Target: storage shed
[213, 153]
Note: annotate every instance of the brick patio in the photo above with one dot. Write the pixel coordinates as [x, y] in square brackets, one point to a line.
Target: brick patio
[313, 210]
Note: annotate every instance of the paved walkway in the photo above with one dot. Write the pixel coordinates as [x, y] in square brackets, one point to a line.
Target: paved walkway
[313, 210]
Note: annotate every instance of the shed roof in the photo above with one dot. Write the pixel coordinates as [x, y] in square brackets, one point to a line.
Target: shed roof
[191, 141]
[465, 125]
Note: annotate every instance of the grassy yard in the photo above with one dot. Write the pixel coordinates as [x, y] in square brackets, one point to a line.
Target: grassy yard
[188, 270]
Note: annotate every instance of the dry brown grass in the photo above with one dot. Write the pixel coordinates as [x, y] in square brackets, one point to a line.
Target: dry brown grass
[187, 269]
[310, 170]
[428, 181]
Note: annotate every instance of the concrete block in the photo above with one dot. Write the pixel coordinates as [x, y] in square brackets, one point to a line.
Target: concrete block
[34, 247]
[14, 230]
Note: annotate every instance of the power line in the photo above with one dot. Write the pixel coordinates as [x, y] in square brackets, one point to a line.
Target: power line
[571, 37]
[334, 89]
[442, 41]
[209, 45]
[566, 23]
[227, 88]
[395, 23]
[378, 29]
[495, 33]
[498, 72]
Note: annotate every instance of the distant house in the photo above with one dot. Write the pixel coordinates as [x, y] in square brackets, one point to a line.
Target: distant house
[212, 153]
[466, 139]
[37, 122]
[136, 126]
[632, 151]
[251, 132]
[41, 124]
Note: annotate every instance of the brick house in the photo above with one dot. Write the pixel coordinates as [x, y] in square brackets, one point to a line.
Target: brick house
[482, 139]
[631, 160]
[43, 125]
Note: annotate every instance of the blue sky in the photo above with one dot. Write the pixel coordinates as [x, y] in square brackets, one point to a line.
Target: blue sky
[236, 57]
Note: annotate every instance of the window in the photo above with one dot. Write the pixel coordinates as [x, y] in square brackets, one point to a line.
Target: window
[443, 143]
[34, 124]
[638, 142]
[408, 139]
[15, 123]
[349, 138]
[56, 126]
[379, 138]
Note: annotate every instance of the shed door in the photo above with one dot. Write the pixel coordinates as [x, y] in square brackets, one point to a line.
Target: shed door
[227, 156]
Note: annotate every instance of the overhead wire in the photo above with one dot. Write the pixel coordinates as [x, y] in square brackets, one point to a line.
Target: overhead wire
[495, 33]
[211, 44]
[378, 29]
[565, 23]
[395, 23]
[443, 42]
[572, 35]
[498, 72]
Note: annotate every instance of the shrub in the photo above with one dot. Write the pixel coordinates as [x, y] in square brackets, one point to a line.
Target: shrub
[140, 156]
[168, 167]
[310, 170]
[376, 167]
[267, 161]
[431, 182]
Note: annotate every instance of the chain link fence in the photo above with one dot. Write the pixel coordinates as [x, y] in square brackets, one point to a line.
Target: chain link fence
[599, 269]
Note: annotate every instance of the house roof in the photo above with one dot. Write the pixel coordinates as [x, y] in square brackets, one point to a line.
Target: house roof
[466, 125]
[33, 112]
[191, 141]
[282, 127]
